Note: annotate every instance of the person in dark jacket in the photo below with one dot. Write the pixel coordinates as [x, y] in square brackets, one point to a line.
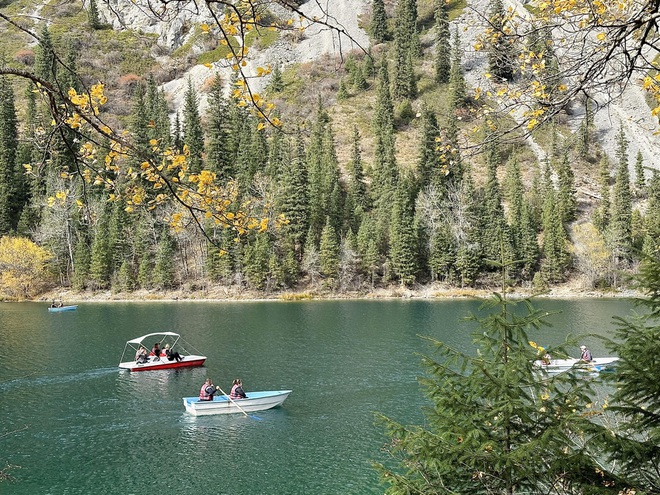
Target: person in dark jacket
[172, 354]
[237, 391]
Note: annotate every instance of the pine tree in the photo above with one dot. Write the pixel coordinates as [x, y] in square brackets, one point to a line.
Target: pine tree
[567, 195]
[457, 85]
[292, 196]
[378, 26]
[442, 59]
[501, 56]
[494, 426]
[428, 161]
[218, 155]
[633, 405]
[81, 264]
[44, 58]
[101, 258]
[601, 218]
[329, 251]
[652, 218]
[367, 243]
[9, 203]
[356, 194]
[164, 272]
[403, 253]
[276, 83]
[555, 259]
[193, 134]
[407, 48]
[256, 260]
[640, 179]
[619, 229]
[93, 15]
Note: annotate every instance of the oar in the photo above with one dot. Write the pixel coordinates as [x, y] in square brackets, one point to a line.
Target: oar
[239, 407]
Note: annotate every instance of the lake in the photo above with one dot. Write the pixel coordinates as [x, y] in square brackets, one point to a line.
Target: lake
[74, 423]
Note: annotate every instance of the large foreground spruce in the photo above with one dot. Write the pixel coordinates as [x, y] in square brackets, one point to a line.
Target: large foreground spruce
[495, 425]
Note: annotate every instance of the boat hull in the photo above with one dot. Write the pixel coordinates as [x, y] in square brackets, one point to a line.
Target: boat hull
[255, 401]
[562, 365]
[62, 309]
[163, 364]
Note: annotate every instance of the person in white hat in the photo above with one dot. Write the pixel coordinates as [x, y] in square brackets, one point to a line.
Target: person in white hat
[586, 354]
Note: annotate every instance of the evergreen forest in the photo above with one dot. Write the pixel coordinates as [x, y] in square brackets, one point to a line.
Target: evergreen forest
[418, 189]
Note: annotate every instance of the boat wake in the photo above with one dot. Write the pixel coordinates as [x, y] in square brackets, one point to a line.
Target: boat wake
[32, 380]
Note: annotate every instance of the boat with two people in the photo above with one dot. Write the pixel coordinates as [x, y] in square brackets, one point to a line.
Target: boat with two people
[60, 307]
[159, 351]
[223, 404]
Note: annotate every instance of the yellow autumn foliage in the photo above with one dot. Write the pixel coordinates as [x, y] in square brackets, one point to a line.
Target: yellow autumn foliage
[23, 268]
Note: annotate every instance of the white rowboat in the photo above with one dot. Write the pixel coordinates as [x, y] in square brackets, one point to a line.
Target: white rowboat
[561, 365]
[221, 404]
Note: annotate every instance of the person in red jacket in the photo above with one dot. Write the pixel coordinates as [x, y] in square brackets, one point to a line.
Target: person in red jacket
[586, 354]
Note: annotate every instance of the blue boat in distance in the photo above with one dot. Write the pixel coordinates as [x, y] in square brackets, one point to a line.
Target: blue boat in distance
[59, 309]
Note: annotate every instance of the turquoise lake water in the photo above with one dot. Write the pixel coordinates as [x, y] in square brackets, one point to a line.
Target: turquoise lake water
[73, 423]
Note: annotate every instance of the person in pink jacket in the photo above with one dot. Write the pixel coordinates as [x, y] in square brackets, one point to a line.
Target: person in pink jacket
[237, 391]
[207, 390]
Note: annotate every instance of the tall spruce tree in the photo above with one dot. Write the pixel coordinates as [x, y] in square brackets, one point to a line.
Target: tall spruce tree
[640, 179]
[442, 59]
[567, 194]
[164, 273]
[9, 202]
[193, 134]
[602, 215]
[457, 84]
[329, 251]
[620, 226]
[378, 25]
[356, 194]
[494, 426]
[404, 242]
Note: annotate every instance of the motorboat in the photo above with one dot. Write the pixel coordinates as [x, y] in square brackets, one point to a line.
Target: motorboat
[59, 309]
[222, 404]
[190, 356]
[562, 365]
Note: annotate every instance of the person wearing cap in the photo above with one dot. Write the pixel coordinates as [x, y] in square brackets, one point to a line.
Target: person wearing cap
[586, 354]
[172, 355]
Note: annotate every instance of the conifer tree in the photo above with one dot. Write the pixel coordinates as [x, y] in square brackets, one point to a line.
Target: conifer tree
[501, 56]
[601, 218]
[567, 200]
[651, 246]
[356, 194]
[619, 229]
[292, 196]
[164, 270]
[81, 264]
[93, 15]
[457, 85]
[378, 26]
[633, 406]
[367, 243]
[138, 124]
[640, 179]
[494, 426]
[585, 131]
[44, 57]
[276, 83]
[101, 257]
[442, 59]
[256, 261]
[428, 161]
[124, 280]
[404, 245]
[329, 251]
[193, 134]
[407, 47]
[158, 114]
[9, 203]
[555, 259]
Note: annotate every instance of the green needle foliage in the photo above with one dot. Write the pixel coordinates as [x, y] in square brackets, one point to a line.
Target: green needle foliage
[496, 424]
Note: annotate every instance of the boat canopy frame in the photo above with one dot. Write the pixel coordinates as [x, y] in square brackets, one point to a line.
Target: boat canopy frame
[172, 338]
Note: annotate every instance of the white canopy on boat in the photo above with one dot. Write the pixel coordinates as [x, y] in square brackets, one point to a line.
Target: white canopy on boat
[140, 339]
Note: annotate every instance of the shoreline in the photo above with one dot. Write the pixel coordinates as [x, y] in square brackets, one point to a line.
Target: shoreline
[232, 294]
